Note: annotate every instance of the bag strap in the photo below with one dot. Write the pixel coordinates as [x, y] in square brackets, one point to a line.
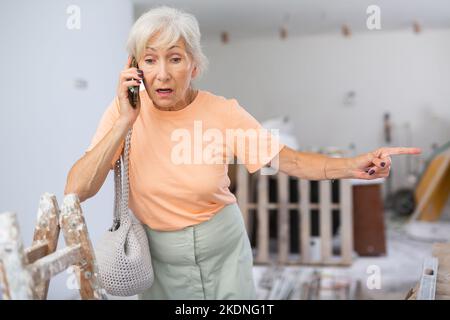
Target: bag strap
[117, 195]
[125, 184]
[121, 188]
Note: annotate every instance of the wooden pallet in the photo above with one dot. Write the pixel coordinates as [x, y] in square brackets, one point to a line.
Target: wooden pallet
[25, 273]
[304, 207]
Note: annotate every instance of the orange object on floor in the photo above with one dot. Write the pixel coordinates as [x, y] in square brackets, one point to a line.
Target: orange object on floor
[433, 189]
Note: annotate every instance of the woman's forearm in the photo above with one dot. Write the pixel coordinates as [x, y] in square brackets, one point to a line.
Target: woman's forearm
[313, 166]
[88, 174]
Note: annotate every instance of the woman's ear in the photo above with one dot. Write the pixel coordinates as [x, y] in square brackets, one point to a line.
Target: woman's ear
[194, 72]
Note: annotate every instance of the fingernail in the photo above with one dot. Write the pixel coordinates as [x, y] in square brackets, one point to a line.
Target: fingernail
[371, 172]
[383, 164]
[140, 71]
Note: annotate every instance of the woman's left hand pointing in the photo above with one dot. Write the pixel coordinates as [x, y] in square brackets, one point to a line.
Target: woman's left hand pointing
[376, 164]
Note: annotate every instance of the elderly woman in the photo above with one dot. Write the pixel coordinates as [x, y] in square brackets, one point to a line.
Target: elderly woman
[199, 245]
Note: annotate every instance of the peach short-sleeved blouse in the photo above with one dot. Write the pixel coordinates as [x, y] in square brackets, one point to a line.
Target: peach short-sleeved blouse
[178, 159]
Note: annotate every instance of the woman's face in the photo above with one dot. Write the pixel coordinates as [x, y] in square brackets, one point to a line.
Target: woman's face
[167, 74]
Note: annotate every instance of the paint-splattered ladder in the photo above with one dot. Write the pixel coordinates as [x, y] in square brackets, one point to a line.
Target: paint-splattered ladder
[25, 273]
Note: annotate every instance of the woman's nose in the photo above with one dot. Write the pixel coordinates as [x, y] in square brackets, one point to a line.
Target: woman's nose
[163, 74]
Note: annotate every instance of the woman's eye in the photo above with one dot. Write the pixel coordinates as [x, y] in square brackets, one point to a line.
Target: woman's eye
[149, 61]
[176, 60]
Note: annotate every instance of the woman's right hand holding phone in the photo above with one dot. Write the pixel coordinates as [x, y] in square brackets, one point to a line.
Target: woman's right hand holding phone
[129, 77]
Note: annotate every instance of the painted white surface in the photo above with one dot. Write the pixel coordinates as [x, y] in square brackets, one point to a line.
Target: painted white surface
[46, 123]
[250, 18]
[308, 78]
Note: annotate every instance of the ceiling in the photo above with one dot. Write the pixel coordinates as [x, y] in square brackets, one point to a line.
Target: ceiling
[250, 18]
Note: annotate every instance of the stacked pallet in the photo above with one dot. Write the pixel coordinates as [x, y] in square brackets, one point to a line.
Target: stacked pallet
[256, 210]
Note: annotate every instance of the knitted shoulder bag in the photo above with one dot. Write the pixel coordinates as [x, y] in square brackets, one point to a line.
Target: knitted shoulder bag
[123, 253]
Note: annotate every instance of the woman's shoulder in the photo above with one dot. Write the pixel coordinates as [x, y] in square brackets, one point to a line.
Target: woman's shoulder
[218, 101]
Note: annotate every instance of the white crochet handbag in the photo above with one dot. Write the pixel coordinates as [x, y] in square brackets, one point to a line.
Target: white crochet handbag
[123, 254]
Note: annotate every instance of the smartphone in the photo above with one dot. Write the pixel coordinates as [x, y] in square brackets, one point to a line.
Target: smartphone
[133, 92]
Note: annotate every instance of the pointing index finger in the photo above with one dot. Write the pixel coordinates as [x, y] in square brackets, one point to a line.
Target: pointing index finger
[400, 150]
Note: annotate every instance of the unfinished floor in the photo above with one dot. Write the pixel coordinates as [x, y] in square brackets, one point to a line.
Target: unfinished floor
[399, 269]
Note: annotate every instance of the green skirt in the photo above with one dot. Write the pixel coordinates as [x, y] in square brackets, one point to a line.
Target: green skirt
[212, 260]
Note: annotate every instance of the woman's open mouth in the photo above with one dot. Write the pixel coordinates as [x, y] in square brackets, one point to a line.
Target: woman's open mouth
[164, 92]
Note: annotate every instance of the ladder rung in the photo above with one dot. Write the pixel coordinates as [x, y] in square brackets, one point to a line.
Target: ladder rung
[37, 251]
[49, 266]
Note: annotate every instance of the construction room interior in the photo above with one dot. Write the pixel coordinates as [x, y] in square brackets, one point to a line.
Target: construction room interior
[333, 77]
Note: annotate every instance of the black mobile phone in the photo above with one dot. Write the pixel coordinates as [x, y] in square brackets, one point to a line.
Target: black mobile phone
[133, 92]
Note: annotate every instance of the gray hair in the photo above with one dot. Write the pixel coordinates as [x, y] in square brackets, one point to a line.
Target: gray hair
[171, 24]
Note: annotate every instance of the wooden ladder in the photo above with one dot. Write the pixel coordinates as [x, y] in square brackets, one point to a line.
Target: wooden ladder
[25, 273]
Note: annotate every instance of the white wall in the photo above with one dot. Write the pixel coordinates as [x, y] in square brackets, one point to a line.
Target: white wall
[45, 121]
[307, 78]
